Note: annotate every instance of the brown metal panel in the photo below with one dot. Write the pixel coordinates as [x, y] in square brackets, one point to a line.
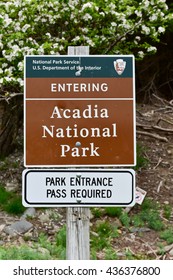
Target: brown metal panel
[117, 88]
[110, 144]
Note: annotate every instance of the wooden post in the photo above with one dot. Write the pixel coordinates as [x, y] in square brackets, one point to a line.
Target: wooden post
[78, 233]
[78, 218]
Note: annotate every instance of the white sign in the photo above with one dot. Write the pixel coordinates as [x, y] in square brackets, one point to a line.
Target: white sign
[139, 195]
[64, 188]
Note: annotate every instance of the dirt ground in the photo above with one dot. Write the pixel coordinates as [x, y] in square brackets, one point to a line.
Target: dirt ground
[157, 178]
[155, 135]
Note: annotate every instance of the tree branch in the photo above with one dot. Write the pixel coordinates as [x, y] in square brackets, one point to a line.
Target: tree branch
[121, 37]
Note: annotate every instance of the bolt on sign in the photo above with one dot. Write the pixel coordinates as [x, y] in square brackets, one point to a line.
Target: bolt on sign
[79, 111]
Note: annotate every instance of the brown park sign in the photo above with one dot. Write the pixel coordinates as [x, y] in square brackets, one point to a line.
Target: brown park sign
[79, 111]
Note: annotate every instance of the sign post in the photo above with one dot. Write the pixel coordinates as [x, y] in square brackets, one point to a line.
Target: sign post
[78, 219]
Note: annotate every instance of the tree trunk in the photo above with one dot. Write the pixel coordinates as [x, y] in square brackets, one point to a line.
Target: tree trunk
[11, 113]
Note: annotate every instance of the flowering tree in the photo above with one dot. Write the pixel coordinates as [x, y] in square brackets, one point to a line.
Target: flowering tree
[30, 27]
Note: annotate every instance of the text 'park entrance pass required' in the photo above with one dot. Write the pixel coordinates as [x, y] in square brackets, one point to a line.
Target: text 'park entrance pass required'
[79, 111]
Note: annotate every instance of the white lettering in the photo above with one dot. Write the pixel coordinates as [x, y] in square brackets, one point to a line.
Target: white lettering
[53, 88]
[76, 132]
[82, 152]
[56, 112]
[88, 113]
[50, 132]
[79, 87]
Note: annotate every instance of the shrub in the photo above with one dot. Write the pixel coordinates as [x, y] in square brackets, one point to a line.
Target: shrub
[22, 253]
[39, 27]
[167, 235]
[14, 206]
[11, 202]
[4, 196]
[113, 211]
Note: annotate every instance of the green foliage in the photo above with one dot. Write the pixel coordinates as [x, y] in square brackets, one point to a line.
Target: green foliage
[129, 255]
[110, 254]
[167, 235]
[167, 210]
[43, 250]
[137, 221]
[11, 202]
[97, 213]
[61, 237]
[39, 27]
[105, 233]
[99, 243]
[113, 211]
[57, 251]
[4, 196]
[104, 229]
[125, 219]
[118, 212]
[14, 206]
[149, 215]
[148, 204]
[142, 161]
[153, 220]
[22, 253]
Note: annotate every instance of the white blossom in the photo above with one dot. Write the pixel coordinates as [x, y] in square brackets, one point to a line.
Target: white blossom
[85, 30]
[90, 42]
[8, 79]
[21, 43]
[43, 19]
[48, 35]
[153, 17]
[20, 65]
[20, 81]
[77, 38]
[15, 48]
[138, 38]
[145, 29]
[152, 49]
[17, 26]
[87, 5]
[7, 21]
[4, 65]
[20, 13]
[87, 17]
[138, 13]
[141, 54]
[61, 47]
[113, 24]
[146, 3]
[75, 21]
[161, 29]
[112, 6]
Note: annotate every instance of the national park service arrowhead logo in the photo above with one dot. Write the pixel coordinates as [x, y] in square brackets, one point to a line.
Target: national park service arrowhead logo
[119, 66]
